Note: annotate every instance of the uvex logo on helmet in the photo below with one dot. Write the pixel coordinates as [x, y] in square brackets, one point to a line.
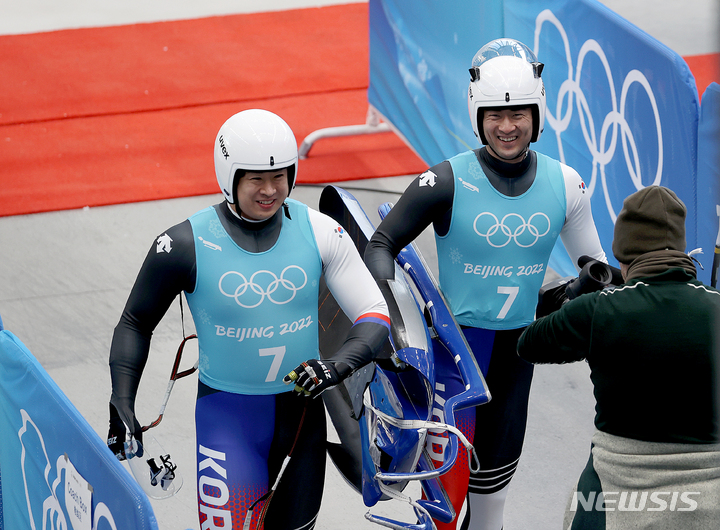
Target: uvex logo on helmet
[223, 148]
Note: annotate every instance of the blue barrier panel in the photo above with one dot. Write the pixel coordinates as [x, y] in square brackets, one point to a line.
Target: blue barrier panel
[708, 175]
[420, 53]
[622, 108]
[57, 472]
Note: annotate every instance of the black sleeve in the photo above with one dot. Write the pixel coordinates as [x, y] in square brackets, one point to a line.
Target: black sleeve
[561, 337]
[168, 269]
[428, 199]
[363, 342]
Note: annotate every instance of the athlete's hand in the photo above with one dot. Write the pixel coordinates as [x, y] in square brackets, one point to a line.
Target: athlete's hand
[313, 377]
[117, 432]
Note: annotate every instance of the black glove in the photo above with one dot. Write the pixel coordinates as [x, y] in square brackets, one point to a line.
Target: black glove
[117, 432]
[552, 297]
[313, 377]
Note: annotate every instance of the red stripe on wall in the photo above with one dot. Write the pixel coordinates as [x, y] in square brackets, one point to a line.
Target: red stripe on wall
[705, 68]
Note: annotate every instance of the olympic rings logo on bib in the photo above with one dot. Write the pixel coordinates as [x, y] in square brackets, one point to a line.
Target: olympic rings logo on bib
[512, 227]
[263, 284]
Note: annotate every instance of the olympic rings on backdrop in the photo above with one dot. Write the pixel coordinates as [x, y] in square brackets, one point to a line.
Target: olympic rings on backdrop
[612, 124]
[513, 233]
[250, 293]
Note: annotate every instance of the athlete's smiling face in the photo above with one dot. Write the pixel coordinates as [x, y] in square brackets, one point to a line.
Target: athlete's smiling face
[261, 193]
[508, 132]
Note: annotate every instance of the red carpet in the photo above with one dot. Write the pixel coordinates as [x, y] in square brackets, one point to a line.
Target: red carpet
[121, 114]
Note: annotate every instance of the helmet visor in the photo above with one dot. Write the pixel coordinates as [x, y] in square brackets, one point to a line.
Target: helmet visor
[504, 48]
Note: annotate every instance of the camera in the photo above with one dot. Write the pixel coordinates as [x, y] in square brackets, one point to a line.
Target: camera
[594, 276]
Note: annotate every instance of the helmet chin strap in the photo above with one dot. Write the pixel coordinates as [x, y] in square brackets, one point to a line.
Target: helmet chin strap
[527, 148]
[241, 216]
[285, 207]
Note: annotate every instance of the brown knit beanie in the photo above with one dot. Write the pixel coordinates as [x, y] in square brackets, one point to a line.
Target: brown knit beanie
[651, 219]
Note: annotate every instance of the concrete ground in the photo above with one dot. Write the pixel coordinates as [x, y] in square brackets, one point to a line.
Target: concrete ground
[66, 276]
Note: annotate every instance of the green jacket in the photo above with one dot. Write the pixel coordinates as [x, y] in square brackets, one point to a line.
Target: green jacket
[653, 354]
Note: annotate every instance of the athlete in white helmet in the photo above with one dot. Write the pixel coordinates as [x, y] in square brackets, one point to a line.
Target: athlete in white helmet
[250, 269]
[496, 212]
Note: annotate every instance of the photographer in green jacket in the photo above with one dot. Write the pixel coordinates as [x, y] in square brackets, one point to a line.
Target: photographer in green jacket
[652, 348]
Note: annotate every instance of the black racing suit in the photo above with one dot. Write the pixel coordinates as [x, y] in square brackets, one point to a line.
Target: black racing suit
[501, 423]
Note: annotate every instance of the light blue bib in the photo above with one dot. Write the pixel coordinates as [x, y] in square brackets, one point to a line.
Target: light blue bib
[255, 313]
[493, 260]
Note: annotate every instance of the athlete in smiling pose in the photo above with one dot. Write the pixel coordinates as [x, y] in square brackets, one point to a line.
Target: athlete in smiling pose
[250, 268]
[497, 212]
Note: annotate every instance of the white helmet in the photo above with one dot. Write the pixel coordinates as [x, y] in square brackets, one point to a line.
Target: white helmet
[253, 140]
[506, 73]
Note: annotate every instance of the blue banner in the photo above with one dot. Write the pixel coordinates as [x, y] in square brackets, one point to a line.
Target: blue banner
[708, 176]
[420, 53]
[56, 471]
[622, 108]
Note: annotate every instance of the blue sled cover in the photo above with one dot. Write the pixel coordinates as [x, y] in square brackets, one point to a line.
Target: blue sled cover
[382, 413]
